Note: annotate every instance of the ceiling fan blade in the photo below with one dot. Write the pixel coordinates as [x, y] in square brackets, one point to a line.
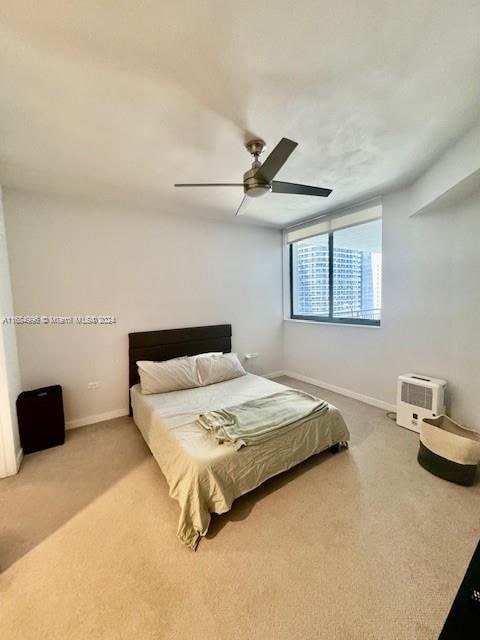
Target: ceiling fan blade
[276, 160]
[209, 184]
[300, 189]
[243, 206]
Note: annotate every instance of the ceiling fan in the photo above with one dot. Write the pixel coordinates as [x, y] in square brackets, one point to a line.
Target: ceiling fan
[259, 180]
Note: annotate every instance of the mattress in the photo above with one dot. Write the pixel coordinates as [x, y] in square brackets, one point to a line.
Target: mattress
[204, 476]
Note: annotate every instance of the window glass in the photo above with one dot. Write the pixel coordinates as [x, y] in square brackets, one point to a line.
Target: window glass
[352, 259]
[357, 271]
[311, 276]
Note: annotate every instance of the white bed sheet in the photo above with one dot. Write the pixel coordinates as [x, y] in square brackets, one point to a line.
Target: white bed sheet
[204, 476]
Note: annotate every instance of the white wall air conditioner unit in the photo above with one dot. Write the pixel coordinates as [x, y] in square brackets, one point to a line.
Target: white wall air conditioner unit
[419, 397]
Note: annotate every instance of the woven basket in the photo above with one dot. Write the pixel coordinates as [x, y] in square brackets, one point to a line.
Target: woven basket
[449, 450]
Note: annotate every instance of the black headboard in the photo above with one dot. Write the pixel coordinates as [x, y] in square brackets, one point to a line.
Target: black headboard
[173, 343]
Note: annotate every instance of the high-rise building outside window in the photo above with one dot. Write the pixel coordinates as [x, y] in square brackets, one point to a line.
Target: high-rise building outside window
[337, 276]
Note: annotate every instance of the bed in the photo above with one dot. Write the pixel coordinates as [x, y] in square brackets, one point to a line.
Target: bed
[204, 476]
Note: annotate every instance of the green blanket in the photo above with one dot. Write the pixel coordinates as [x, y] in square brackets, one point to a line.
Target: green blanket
[258, 420]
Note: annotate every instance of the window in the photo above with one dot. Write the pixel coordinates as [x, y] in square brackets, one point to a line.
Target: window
[336, 276]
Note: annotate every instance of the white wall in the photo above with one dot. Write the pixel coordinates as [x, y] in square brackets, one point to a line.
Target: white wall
[431, 312]
[10, 385]
[150, 271]
[455, 167]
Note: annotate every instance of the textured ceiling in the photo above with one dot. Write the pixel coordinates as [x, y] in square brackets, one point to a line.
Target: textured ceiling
[119, 100]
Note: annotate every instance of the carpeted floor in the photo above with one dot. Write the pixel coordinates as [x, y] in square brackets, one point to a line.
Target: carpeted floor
[364, 544]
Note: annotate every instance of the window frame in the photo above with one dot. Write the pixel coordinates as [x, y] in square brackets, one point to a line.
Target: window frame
[330, 319]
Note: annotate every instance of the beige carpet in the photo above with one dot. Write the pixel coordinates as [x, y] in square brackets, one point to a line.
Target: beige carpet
[363, 544]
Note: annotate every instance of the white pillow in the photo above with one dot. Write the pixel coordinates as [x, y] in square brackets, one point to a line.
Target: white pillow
[170, 375]
[218, 368]
[207, 355]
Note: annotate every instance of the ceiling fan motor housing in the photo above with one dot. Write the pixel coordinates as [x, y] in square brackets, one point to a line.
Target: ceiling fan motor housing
[253, 187]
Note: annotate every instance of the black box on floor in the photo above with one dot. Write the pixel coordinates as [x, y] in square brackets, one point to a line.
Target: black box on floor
[41, 422]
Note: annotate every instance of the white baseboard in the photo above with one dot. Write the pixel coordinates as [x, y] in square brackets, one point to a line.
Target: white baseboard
[12, 469]
[100, 417]
[274, 374]
[380, 404]
[19, 458]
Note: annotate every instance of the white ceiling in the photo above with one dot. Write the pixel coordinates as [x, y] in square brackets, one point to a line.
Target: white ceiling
[119, 100]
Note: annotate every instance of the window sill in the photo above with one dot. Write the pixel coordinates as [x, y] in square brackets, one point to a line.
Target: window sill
[334, 324]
